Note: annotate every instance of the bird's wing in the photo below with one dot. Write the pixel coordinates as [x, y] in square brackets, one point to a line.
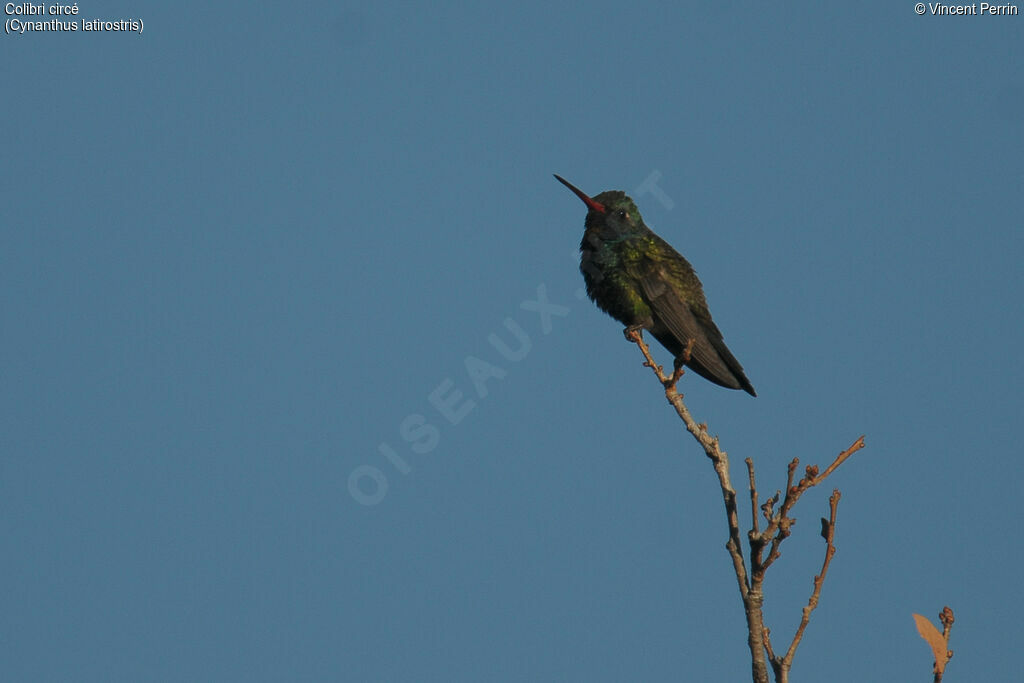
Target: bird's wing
[709, 355]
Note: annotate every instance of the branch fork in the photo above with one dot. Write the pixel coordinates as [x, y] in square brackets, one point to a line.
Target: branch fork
[778, 523]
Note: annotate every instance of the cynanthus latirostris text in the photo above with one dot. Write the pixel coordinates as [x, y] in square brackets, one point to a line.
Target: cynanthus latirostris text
[640, 280]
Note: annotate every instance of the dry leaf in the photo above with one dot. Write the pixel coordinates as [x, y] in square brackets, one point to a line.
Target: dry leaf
[934, 638]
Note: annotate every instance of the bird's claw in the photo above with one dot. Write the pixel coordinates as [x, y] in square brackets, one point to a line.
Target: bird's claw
[684, 358]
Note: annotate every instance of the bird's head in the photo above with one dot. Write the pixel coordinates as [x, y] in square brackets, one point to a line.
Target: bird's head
[611, 214]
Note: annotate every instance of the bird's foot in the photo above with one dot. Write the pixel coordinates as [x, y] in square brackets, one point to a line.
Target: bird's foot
[634, 333]
[677, 373]
[684, 357]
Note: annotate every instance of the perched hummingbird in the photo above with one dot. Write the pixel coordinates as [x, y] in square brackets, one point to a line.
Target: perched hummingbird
[640, 280]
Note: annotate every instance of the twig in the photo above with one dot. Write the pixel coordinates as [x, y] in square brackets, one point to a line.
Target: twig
[768, 643]
[753, 496]
[946, 617]
[840, 459]
[779, 525]
[939, 642]
[828, 531]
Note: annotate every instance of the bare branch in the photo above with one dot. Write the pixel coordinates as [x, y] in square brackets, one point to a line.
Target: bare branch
[779, 525]
[753, 496]
[778, 522]
[828, 531]
[768, 644]
[840, 459]
[768, 508]
[752, 599]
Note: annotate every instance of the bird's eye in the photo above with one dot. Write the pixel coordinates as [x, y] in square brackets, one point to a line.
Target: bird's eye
[623, 214]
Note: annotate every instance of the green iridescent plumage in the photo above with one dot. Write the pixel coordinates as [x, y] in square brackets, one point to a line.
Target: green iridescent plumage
[641, 281]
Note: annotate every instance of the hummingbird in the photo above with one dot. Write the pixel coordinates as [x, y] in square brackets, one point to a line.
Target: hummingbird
[637, 278]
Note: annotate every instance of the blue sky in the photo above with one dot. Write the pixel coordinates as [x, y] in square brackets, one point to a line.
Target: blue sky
[241, 250]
